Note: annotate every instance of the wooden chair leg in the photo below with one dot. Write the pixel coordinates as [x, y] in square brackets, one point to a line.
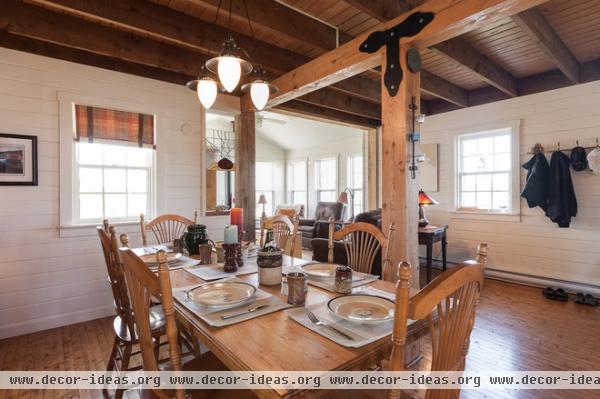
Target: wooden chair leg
[110, 366]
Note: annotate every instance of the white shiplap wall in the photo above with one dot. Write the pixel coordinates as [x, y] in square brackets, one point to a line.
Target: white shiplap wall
[47, 281]
[534, 246]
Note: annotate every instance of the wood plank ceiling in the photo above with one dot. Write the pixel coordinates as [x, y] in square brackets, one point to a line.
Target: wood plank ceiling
[552, 46]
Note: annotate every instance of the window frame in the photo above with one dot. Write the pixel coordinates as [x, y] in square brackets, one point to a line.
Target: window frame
[67, 162]
[318, 189]
[270, 191]
[289, 178]
[514, 214]
[76, 219]
[358, 191]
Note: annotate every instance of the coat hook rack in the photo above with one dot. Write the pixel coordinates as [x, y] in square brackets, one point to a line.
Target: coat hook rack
[539, 149]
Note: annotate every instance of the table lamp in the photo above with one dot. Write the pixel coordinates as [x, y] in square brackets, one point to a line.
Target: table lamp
[424, 200]
[263, 201]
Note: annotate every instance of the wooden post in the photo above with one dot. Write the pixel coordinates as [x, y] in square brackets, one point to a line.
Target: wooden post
[371, 163]
[245, 161]
[399, 190]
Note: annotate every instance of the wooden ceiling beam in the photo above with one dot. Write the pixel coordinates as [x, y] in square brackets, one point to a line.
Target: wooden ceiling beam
[321, 113]
[451, 19]
[35, 22]
[535, 25]
[52, 50]
[280, 20]
[333, 99]
[440, 88]
[455, 49]
[550, 80]
[459, 51]
[169, 25]
[78, 56]
[166, 24]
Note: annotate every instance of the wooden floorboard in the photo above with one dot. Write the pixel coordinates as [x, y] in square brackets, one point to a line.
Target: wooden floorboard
[516, 329]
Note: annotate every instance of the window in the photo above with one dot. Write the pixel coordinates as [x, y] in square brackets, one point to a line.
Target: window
[355, 181]
[297, 182]
[112, 181]
[326, 179]
[487, 171]
[265, 182]
[113, 160]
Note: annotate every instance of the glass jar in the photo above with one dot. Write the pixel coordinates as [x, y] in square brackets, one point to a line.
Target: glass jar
[343, 280]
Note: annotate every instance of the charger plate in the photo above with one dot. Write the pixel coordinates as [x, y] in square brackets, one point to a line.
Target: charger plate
[222, 293]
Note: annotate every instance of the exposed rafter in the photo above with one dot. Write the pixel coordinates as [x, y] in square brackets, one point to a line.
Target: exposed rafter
[537, 27]
[37, 23]
[486, 69]
[444, 89]
[455, 49]
[311, 110]
[451, 19]
[335, 100]
[281, 20]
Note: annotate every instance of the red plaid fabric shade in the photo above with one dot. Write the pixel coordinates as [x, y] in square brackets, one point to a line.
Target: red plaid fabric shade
[108, 124]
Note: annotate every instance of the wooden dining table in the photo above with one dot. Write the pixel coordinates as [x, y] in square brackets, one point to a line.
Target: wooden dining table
[274, 342]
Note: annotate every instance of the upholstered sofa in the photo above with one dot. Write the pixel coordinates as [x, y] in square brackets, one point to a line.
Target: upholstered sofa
[312, 228]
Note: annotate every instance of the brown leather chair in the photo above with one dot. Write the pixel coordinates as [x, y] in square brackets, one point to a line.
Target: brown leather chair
[317, 227]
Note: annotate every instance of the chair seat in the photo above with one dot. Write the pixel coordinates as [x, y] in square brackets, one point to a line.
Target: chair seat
[157, 325]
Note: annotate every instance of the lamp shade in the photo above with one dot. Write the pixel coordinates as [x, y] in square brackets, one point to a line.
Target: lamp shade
[207, 92]
[262, 199]
[425, 199]
[343, 198]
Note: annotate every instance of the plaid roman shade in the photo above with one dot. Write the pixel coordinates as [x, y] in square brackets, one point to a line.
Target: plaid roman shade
[109, 124]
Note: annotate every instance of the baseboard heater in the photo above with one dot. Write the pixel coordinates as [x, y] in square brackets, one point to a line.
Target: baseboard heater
[536, 281]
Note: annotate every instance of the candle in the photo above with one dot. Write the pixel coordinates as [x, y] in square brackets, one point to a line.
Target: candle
[236, 217]
[231, 234]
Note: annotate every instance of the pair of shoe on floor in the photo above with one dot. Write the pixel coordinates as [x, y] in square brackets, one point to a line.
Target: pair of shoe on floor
[586, 299]
[560, 295]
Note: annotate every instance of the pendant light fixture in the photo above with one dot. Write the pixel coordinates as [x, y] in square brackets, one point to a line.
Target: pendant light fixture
[229, 66]
[260, 89]
[205, 87]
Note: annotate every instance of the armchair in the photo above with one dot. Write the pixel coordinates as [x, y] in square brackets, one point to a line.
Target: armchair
[320, 243]
[318, 227]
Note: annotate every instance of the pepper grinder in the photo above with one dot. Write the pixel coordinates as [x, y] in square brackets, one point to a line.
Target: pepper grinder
[231, 264]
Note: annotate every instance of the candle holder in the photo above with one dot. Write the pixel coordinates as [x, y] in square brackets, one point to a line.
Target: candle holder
[231, 263]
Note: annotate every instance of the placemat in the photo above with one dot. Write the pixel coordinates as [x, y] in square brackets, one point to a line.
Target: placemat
[215, 272]
[363, 334]
[182, 262]
[212, 315]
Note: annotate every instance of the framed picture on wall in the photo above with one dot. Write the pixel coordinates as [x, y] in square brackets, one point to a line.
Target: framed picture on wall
[18, 160]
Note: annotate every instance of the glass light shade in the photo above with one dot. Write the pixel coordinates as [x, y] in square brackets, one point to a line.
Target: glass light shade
[425, 199]
[259, 92]
[229, 71]
[207, 92]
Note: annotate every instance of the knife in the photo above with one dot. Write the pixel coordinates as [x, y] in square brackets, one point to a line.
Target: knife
[232, 315]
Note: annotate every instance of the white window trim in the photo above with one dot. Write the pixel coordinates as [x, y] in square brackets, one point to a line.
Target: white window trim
[349, 178]
[515, 214]
[288, 190]
[318, 189]
[66, 126]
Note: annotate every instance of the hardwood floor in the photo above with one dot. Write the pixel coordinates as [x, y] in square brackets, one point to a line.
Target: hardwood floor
[516, 329]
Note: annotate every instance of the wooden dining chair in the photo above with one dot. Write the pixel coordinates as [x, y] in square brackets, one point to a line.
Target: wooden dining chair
[449, 304]
[285, 232]
[166, 228]
[143, 285]
[124, 323]
[362, 242]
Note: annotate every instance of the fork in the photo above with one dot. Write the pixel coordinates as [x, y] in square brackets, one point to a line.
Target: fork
[318, 322]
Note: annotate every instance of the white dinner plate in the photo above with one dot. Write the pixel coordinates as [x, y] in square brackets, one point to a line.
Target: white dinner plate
[222, 293]
[362, 308]
[319, 270]
[150, 259]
